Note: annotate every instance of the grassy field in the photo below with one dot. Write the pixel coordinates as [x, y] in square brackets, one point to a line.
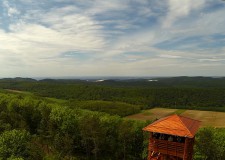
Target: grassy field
[208, 118]
[152, 114]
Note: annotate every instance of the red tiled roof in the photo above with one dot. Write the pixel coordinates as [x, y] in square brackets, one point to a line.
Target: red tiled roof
[175, 125]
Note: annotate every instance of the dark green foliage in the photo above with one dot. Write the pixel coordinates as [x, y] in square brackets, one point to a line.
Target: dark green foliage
[67, 132]
[14, 143]
[180, 92]
[210, 144]
[114, 108]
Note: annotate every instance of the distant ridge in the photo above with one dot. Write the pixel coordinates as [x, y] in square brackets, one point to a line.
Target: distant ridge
[182, 81]
[18, 79]
[116, 78]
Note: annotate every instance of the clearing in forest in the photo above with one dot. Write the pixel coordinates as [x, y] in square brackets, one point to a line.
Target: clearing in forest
[208, 118]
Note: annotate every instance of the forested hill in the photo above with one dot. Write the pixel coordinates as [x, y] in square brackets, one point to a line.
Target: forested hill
[199, 82]
[180, 92]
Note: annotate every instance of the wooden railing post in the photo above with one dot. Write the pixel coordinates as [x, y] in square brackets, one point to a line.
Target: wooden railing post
[185, 148]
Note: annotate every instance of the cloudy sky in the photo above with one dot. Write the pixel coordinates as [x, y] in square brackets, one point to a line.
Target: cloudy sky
[112, 38]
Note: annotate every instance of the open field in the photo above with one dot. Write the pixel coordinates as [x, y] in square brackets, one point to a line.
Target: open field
[17, 91]
[208, 118]
[12, 90]
[152, 114]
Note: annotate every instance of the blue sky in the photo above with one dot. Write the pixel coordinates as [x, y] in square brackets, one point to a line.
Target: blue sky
[48, 38]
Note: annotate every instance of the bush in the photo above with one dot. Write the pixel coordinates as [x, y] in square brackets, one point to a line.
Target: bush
[14, 144]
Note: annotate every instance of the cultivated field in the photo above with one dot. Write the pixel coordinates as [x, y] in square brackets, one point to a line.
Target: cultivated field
[208, 118]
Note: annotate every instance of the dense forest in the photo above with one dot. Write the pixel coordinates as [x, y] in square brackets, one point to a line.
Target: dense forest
[202, 93]
[32, 128]
[75, 119]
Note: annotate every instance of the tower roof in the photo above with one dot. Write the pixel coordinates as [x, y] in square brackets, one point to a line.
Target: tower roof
[175, 125]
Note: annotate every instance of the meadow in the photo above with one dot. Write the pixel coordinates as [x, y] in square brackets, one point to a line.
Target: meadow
[207, 118]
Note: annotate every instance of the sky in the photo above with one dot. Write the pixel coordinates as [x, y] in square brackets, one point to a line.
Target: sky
[54, 38]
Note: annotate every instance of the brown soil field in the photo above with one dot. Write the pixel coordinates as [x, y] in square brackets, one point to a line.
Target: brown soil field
[207, 118]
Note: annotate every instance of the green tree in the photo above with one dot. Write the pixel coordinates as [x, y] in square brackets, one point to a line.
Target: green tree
[126, 137]
[91, 134]
[15, 158]
[210, 144]
[14, 143]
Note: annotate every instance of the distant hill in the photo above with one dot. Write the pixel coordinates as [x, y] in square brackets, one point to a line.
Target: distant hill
[17, 79]
[184, 81]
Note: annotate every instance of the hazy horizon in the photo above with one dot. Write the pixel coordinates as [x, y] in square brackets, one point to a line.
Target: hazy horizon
[109, 77]
[131, 38]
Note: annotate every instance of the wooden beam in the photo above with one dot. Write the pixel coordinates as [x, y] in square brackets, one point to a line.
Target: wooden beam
[185, 148]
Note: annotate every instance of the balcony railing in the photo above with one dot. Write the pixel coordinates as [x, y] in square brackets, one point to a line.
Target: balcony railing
[167, 147]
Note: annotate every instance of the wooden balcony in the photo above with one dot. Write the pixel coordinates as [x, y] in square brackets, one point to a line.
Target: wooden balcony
[167, 147]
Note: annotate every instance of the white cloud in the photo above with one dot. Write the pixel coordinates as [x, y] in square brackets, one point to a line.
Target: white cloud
[180, 8]
[100, 7]
[169, 56]
[11, 11]
[39, 46]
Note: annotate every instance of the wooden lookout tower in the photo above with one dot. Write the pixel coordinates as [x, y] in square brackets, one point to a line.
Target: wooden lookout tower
[172, 138]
